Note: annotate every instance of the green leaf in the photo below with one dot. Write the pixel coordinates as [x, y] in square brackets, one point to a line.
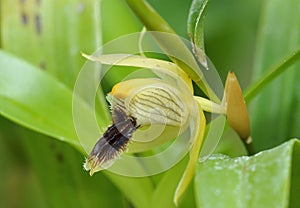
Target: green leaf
[28, 182]
[36, 100]
[64, 169]
[267, 179]
[49, 35]
[17, 180]
[196, 29]
[56, 31]
[272, 74]
[275, 112]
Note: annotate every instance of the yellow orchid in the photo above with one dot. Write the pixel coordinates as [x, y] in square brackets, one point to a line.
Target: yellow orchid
[165, 100]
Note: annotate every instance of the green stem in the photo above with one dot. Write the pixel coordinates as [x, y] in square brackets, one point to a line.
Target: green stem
[248, 145]
[250, 149]
[166, 37]
[151, 19]
[270, 75]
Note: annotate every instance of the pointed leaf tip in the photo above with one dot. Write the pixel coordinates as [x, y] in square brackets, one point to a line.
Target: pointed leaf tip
[196, 29]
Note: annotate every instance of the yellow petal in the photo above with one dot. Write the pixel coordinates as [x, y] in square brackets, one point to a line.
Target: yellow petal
[156, 128]
[194, 154]
[124, 89]
[143, 32]
[162, 66]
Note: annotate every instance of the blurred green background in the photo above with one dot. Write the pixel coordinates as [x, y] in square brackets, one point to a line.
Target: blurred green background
[38, 171]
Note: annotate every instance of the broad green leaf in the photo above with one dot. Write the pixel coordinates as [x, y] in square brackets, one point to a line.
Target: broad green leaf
[56, 32]
[36, 100]
[267, 179]
[196, 29]
[48, 176]
[19, 186]
[275, 112]
[50, 35]
[33, 119]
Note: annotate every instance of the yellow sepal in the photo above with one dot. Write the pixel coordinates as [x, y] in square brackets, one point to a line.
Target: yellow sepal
[194, 155]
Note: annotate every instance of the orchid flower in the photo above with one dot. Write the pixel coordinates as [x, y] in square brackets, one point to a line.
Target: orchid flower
[166, 100]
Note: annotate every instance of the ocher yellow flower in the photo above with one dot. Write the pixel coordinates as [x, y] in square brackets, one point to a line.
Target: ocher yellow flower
[167, 100]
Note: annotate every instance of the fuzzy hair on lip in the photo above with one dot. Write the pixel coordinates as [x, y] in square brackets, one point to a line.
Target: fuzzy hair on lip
[113, 142]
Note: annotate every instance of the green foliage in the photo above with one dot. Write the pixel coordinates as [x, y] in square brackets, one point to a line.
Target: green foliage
[267, 179]
[23, 92]
[40, 172]
[39, 63]
[37, 170]
[275, 112]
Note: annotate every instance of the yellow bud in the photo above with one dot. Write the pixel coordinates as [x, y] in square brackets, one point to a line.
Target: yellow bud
[236, 110]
